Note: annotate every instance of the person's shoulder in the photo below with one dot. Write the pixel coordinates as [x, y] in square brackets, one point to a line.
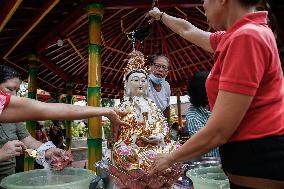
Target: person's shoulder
[191, 111]
[20, 124]
[251, 30]
[8, 124]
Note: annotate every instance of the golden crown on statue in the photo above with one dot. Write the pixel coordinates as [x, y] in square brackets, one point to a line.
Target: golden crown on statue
[136, 61]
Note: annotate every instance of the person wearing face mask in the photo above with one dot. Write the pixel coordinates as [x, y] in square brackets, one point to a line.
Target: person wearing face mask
[159, 88]
[245, 90]
[14, 137]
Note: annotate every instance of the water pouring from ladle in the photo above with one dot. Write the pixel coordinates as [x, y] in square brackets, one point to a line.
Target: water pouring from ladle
[143, 32]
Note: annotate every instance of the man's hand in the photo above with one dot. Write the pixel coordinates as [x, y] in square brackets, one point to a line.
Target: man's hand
[12, 149]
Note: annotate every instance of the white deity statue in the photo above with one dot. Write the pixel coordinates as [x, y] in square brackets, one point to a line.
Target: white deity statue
[137, 146]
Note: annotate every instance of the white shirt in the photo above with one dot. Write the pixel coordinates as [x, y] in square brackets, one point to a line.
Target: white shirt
[162, 98]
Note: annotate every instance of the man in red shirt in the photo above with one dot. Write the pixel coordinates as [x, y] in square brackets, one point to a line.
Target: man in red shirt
[246, 94]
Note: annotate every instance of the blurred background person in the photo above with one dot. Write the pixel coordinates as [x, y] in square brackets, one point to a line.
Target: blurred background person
[175, 131]
[198, 112]
[56, 135]
[40, 133]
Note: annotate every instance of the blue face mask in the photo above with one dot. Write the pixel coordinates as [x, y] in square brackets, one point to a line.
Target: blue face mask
[156, 80]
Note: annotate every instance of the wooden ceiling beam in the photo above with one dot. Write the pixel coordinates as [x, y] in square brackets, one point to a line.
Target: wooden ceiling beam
[62, 29]
[121, 62]
[129, 4]
[7, 12]
[185, 63]
[125, 30]
[202, 54]
[166, 47]
[52, 67]
[117, 44]
[44, 10]
[122, 56]
[185, 52]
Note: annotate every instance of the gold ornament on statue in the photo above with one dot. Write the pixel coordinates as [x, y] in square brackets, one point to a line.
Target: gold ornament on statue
[137, 146]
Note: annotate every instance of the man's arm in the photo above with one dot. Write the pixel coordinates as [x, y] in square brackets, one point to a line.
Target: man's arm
[184, 28]
[31, 142]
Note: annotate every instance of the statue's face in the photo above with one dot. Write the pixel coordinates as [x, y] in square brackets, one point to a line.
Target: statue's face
[137, 84]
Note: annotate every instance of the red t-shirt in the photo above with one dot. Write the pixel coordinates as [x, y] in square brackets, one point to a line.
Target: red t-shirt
[4, 101]
[247, 62]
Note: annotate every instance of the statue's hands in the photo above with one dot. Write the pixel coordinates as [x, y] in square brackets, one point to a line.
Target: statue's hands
[153, 139]
[155, 13]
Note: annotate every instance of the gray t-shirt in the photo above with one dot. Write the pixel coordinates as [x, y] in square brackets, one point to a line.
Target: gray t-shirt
[9, 132]
[162, 98]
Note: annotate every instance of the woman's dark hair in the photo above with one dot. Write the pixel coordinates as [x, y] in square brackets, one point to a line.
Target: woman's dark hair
[38, 126]
[175, 126]
[7, 73]
[196, 89]
[152, 58]
[249, 2]
[56, 123]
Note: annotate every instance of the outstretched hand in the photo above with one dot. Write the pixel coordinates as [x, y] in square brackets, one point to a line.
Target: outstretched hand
[114, 116]
[162, 162]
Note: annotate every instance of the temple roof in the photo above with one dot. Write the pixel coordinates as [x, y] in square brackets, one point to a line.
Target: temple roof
[57, 31]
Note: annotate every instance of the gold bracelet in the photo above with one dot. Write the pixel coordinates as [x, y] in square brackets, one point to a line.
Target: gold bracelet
[161, 16]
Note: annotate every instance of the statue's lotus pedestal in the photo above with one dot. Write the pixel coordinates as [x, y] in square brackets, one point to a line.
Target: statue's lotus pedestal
[139, 179]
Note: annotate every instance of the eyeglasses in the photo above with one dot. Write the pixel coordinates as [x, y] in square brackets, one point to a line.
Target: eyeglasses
[158, 66]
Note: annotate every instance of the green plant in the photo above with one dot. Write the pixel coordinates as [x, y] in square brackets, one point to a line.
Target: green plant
[78, 129]
[107, 102]
[107, 130]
